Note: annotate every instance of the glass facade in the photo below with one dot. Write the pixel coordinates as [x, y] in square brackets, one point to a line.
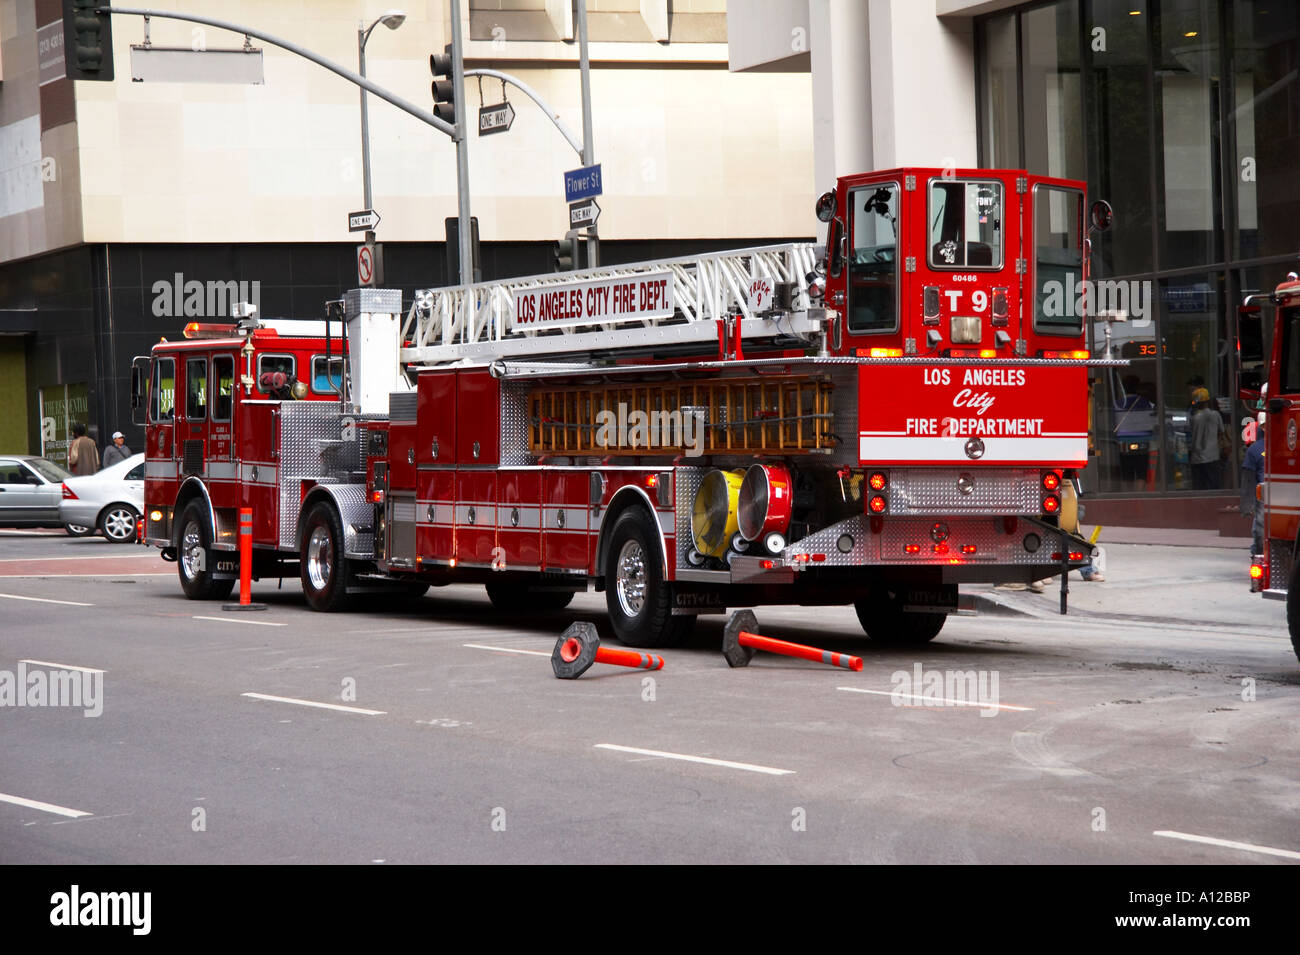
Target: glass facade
[1185, 116]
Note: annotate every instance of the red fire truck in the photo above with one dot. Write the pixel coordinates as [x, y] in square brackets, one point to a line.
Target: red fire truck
[873, 422]
[1268, 355]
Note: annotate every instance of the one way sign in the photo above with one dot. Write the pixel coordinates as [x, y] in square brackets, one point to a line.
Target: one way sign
[583, 213]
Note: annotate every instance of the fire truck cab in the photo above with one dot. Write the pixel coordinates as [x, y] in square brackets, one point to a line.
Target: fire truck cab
[872, 422]
[1268, 373]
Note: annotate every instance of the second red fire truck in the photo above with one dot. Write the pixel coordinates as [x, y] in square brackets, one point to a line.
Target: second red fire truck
[873, 423]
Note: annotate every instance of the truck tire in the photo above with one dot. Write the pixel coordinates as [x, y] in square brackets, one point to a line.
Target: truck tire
[639, 600]
[1293, 607]
[324, 568]
[194, 557]
[885, 622]
[519, 598]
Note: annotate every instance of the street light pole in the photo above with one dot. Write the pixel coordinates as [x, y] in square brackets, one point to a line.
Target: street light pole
[391, 19]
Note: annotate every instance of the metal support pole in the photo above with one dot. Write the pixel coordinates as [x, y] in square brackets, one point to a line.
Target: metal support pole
[365, 127]
[588, 151]
[461, 138]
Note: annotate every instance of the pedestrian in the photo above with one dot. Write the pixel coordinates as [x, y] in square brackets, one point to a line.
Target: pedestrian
[1252, 474]
[1204, 453]
[117, 451]
[83, 456]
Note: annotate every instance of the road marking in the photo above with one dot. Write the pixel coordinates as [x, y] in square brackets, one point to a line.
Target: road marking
[255, 623]
[943, 700]
[43, 806]
[323, 706]
[47, 600]
[726, 763]
[63, 666]
[1227, 843]
[484, 646]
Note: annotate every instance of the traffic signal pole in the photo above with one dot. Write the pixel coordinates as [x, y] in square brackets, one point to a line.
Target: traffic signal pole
[588, 150]
[461, 139]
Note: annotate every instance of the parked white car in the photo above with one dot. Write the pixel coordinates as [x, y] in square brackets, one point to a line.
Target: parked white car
[110, 501]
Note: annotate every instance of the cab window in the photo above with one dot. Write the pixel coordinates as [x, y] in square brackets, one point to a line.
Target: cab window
[223, 380]
[162, 390]
[196, 388]
[1290, 351]
[965, 219]
[1058, 260]
[326, 375]
[873, 261]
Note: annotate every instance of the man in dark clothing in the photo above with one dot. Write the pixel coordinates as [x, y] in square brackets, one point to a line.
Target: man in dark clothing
[83, 456]
[1252, 468]
[117, 451]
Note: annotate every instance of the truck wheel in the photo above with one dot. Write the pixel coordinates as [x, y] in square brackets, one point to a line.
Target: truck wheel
[640, 601]
[324, 568]
[521, 599]
[1293, 608]
[885, 622]
[194, 557]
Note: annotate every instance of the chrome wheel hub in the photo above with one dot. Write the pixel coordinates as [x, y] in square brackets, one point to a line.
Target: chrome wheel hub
[191, 551]
[320, 558]
[630, 584]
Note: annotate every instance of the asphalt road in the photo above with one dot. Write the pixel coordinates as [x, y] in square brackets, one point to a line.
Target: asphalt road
[1158, 717]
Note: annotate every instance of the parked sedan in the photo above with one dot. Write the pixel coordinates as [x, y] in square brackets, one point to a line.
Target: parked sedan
[111, 501]
[30, 491]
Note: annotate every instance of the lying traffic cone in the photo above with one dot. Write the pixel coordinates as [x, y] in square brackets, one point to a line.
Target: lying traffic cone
[740, 643]
[579, 647]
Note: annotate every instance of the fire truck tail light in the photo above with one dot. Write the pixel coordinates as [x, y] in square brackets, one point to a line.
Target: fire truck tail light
[878, 504]
[652, 480]
[1075, 555]
[1051, 480]
[1051, 503]
[878, 480]
[155, 516]
[968, 548]
[940, 548]
[911, 548]
[1256, 572]
[377, 496]
[68, 495]
[767, 564]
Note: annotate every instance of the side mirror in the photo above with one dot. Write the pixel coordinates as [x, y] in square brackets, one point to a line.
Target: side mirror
[1250, 352]
[826, 206]
[139, 388]
[1101, 215]
[835, 246]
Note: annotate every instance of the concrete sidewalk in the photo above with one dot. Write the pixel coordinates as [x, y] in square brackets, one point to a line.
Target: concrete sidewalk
[1171, 577]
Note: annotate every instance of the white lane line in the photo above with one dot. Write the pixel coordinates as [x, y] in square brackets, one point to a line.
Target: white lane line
[43, 806]
[943, 700]
[484, 646]
[63, 666]
[113, 575]
[323, 706]
[255, 623]
[47, 600]
[1227, 843]
[725, 763]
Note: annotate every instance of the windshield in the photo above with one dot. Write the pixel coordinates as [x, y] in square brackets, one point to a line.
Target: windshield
[48, 470]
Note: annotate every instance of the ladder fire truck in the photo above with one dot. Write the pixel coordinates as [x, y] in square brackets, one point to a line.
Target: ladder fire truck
[1268, 371]
[873, 422]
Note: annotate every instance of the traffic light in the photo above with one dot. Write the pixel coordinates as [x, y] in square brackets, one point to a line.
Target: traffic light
[444, 90]
[564, 254]
[87, 40]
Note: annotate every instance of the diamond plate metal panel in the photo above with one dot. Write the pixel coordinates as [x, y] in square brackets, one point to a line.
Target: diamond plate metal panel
[312, 448]
[988, 535]
[687, 481]
[1279, 564]
[387, 301]
[514, 424]
[993, 491]
[358, 515]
